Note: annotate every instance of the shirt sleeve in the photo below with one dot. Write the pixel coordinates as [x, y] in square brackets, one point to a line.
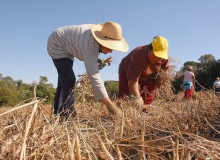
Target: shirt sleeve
[90, 57]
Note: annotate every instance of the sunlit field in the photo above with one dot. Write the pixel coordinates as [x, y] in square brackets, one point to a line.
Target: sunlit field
[173, 128]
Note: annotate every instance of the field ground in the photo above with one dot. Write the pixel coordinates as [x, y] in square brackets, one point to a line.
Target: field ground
[173, 128]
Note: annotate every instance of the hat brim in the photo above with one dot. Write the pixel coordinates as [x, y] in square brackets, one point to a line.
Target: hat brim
[161, 54]
[118, 45]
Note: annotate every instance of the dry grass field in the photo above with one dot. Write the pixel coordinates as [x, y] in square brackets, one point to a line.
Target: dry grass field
[172, 129]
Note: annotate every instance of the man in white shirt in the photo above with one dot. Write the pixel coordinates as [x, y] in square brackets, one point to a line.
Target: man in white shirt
[216, 84]
[188, 80]
[83, 42]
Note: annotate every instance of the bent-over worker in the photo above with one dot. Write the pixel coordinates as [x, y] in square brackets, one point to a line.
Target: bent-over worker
[83, 42]
[139, 68]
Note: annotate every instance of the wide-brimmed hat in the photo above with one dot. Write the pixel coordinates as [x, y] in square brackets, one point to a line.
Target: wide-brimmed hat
[110, 35]
[160, 47]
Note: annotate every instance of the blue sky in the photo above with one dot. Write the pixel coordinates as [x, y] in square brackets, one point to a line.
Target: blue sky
[192, 28]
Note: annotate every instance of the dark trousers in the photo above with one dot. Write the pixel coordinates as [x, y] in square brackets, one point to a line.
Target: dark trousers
[147, 89]
[217, 89]
[64, 98]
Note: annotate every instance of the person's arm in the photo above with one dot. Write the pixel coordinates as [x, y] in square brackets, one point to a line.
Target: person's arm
[133, 87]
[137, 99]
[90, 60]
[193, 78]
[106, 101]
[90, 57]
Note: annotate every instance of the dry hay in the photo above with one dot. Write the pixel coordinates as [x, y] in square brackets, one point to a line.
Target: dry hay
[179, 130]
[175, 130]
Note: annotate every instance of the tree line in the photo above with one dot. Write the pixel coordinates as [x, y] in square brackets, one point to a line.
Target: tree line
[12, 92]
[206, 71]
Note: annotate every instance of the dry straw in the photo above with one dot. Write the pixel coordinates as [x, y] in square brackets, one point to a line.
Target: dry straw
[173, 129]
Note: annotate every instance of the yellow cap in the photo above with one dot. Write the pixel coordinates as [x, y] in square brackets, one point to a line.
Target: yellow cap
[160, 47]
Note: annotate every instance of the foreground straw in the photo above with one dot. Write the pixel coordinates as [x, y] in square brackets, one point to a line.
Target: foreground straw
[160, 134]
[172, 129]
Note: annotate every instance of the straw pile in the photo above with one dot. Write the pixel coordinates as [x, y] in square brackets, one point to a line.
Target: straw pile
[179, 130]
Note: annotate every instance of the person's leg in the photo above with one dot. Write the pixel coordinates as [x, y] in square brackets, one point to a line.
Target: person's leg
[67, 81]
[123, 86]
[186, 86]
[217, 90]
[57, 97]
[190, 92]
[148, 90]
[186, 93]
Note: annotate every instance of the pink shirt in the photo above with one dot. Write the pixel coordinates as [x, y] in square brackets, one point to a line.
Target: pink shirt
[188, 76]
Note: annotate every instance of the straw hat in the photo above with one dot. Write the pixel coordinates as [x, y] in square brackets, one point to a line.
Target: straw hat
[110, 35]
[160, 47]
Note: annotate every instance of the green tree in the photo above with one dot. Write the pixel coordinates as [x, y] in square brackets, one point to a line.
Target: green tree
[111, 87]
[207, 59]
[13, 92]
[25, 90]
[216, 69]
[8, 97]
[45, 90]
[8, 93]
[206, 63]
[205, 72]
[193, 64]
[43, 80]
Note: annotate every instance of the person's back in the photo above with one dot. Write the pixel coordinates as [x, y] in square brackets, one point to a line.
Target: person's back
[72, 41]
[188, 76]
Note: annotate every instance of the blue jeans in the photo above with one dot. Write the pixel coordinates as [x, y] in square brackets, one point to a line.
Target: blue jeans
[64, 97]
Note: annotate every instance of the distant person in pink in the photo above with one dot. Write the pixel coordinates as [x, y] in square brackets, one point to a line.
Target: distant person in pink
[188, 80]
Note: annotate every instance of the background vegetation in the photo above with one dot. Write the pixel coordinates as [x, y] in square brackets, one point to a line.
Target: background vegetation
[13, 92]
[206, 71]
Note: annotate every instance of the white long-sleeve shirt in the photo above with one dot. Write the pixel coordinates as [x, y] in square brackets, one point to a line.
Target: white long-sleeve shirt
[78, 41]
[216, 84]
